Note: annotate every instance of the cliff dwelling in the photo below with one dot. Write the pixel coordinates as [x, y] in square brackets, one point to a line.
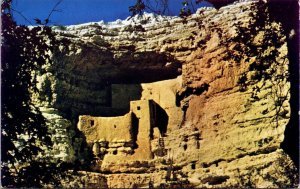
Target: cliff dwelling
[129, 136]
[199, 100]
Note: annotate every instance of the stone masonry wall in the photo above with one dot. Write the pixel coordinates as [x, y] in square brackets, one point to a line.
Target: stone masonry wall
[233, 102]
[110, 129]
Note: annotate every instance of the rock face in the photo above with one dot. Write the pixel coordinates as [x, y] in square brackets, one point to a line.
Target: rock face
[61, 135]
[218, 81]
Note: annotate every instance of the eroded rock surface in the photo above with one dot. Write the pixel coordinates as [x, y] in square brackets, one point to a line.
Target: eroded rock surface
[226, 109]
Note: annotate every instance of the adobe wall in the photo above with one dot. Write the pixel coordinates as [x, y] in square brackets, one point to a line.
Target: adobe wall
[142, 151]
[163, 93]
[142, 110]
[110, 129]
[116, 140]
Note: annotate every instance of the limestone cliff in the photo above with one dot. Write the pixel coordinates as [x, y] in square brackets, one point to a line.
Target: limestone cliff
[216, 87]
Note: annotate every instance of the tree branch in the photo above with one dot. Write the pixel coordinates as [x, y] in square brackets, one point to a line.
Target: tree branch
[53, 10]
[21, 15]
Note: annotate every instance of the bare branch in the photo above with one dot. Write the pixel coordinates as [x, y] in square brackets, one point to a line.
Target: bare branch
[21, 15]
[53, 10]
[192, 4]
[157, 6]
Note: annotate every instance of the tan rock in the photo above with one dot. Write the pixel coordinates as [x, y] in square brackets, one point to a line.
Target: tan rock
[174, 99]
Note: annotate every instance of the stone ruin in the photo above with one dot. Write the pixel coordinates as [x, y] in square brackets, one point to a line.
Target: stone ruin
[169, 101]
[123, 137]
[132, 136]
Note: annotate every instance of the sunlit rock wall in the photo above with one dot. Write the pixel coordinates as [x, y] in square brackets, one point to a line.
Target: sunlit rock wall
[228, 112]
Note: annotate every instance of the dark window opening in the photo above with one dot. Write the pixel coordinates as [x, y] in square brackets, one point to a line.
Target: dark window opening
[193, 166]
[115, 126]
[115, 152]
[198, 145]
[92, 122]
[185, 147]
[138, 108]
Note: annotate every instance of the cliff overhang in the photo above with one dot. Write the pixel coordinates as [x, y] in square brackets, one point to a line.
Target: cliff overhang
[221, 88]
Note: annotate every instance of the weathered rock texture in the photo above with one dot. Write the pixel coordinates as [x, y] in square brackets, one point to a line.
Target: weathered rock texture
[221, 122]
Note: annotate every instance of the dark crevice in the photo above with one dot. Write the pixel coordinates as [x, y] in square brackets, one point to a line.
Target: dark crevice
[135, 130]
[185, 147]
[287, 13]
[161, 119]
[215, 180]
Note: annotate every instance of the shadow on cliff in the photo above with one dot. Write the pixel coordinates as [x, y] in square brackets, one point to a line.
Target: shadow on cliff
[83, 152]
[135, 130]
[145, 67]
[74, 87]
[160, 119]
[287, 13]
[80, 76]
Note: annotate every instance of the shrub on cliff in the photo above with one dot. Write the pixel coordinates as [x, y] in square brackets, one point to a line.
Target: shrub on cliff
[24, 134]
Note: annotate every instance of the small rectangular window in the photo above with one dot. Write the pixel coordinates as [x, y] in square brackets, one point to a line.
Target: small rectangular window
[92, 122]
[138, 107]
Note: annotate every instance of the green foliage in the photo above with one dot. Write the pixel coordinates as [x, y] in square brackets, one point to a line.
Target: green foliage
[268, 64]
[24, 134]
[281, 174]
[45, 93]
[265, 52]
[185, 11]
